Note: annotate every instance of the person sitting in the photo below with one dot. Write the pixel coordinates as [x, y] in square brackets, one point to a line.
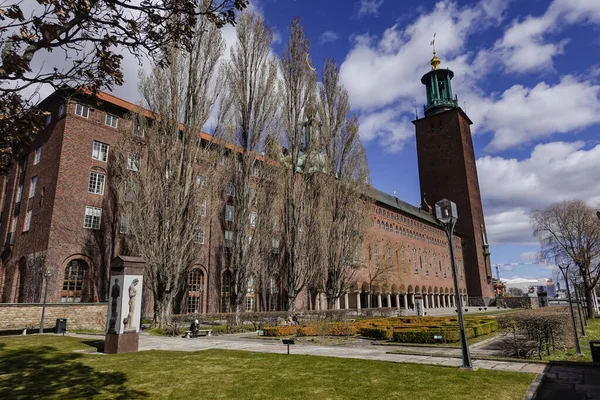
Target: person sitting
[194, 328]
[295, 319]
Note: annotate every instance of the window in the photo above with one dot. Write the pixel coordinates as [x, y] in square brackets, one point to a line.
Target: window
[199, 236]
[426, 263]
[19, 193]
[96, 183]
[203, 208]
[81, 110]
[225, 292]
[435, 268]
[253, 218]
[123, 226]
[72, 289]
[416, 267]
[111, 120]
[222, 159]
[92, 217]
[229, 213]
[195, 289]
[38, 156]
[403, 260]
[138, 130]
[230, 189]
[275, 246]
[200, 180]
[255, 169]
[100, 151]
[133, 162]
[228, 238]
[376, 255]
[62, 110]
[32, 186]
[27, 221]
[48, 119]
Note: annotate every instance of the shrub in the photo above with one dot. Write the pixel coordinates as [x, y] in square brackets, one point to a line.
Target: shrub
[535, 332]
[376, 333]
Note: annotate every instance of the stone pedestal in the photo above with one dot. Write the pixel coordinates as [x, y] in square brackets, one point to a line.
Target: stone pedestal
[124, 305]
[127, 342]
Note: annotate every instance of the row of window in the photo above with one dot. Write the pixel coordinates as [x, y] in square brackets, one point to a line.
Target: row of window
[423, 260]
[406, 220]
[84, 111]
[399, 230]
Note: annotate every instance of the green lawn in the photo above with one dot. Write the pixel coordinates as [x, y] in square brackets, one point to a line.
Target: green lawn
[46, 367]
[592, 333]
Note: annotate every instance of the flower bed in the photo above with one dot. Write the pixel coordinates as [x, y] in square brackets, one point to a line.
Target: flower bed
[403, 329]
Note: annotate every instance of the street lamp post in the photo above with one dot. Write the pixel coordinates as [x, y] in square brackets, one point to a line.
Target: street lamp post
[564, 268]
[47, 276]
[447, 215]
[579, 308]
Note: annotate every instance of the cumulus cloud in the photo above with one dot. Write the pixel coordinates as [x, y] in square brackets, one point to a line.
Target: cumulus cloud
[523, 115]
[526, 45]
[368, 7]
[554, 172]
[380, 72]
[328, 37]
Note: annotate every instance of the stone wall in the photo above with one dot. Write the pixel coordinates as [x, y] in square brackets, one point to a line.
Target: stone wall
[79, 316]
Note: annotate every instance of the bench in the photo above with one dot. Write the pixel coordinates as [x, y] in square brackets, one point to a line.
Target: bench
[201, 332]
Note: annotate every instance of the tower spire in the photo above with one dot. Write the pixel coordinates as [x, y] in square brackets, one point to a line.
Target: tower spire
[435, 61]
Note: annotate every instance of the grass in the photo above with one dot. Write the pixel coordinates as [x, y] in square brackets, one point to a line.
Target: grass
[46, 367]
[592, 333]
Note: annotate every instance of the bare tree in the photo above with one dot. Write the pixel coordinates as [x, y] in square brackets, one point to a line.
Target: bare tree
[302, 239]
[92, 36]
[379, 266]
[571, 230]
[249, 114]
[345, 184]
[165, 170]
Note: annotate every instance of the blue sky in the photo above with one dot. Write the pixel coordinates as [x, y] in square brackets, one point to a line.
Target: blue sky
[526, 72]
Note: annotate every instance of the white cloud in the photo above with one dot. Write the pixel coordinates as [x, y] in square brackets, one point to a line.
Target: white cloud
[523, 115]
[554, 172]
[328, 37]
[369, 7]
[380, 72]
[526, 46]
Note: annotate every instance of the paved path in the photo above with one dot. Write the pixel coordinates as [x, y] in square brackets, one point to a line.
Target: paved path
[379, 353]
[572, 381]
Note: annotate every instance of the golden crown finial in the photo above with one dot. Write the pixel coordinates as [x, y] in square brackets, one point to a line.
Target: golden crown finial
[435, 61]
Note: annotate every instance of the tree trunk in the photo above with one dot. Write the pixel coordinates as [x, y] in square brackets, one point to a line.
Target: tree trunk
[162, 311]
[590, 303]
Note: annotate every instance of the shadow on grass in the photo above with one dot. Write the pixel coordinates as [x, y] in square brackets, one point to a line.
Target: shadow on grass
[45, 372]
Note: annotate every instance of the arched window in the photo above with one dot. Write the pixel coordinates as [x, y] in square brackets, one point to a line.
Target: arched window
[435, 268]
[226, 292]
[195, 290]
[72, 289]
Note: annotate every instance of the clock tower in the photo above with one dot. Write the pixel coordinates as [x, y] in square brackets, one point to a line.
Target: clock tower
[447, 169]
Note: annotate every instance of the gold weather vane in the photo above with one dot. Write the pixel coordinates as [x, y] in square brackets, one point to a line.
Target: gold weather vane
[435, 61]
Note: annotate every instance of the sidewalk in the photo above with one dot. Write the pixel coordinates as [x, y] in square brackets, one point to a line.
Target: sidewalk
[379, 353]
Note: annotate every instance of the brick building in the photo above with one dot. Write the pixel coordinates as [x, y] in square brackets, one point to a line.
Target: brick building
[56, 214]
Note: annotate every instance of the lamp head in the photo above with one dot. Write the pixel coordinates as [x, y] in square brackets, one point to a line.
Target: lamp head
[445, 211]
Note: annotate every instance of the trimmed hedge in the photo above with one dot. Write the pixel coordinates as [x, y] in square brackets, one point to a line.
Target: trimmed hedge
[405, 329]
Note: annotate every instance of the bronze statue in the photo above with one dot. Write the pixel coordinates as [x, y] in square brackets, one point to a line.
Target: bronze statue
[115, 293]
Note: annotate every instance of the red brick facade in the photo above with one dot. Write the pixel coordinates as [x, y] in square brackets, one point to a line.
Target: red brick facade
[447, 169]
[404, 240]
